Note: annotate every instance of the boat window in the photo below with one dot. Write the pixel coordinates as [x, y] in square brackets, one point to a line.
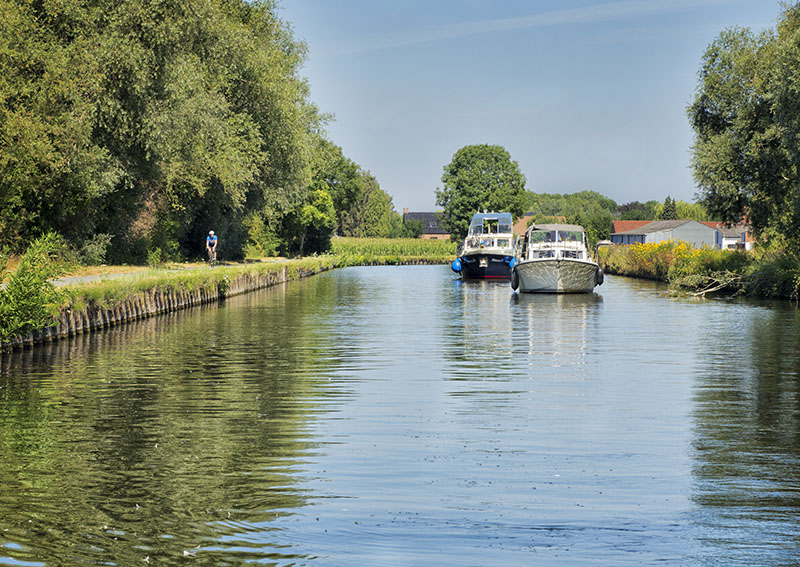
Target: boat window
[543, 236]
[544, 254]
[504, 228]
[502, 242]
[570, 236]
[490, 226]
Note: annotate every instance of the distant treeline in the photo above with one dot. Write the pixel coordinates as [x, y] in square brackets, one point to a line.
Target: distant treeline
[596, 213]
[133, 128]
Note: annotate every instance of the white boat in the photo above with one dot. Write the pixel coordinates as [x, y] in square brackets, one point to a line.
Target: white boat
[555, 258]
[488, 250]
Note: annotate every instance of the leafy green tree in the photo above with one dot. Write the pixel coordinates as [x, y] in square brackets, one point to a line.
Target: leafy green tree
[29, 300]
[637, 211]
[593, 211]
[694, 211]
[343, 178]
[379, 219]
[479, 177]
[412, 229]
[309, 228]
[150, 121]
[745, 118]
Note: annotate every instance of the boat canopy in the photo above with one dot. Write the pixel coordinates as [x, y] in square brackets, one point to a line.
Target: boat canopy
[541, 233]
[486, 223]
[564, 227]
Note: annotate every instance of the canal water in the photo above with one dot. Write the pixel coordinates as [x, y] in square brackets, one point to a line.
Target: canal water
[392, 416]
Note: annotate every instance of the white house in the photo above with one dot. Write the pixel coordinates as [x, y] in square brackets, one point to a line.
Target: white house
[736, 237]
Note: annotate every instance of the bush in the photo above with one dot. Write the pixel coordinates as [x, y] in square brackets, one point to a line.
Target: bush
[775, 273]
[93, 251]
[29, 301]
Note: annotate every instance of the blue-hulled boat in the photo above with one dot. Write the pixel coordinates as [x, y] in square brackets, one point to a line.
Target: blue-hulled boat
[488, 250]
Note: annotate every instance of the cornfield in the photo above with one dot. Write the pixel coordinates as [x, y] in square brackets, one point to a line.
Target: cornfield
[403, 247]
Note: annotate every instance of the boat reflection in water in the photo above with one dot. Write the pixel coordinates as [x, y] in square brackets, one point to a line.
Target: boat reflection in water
[557, 329]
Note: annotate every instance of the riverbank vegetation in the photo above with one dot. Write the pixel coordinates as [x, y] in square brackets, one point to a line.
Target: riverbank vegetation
[765, 272]
[30, 301]
[131, 129]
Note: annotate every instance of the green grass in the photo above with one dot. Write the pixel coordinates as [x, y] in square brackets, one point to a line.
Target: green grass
[113, 291]
[108, 292]
[347, 252]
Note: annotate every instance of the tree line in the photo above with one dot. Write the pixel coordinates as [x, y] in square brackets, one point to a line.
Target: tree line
[133, 128]
[745, 157]
[485, 177]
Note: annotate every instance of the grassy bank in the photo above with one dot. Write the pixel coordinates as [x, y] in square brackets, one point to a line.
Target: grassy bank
[768, 272]
[22, 312]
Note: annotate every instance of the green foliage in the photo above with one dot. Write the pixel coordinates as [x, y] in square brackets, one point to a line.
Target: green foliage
[770, 272]
[362, 207]
[29, 300]
[156, 258]
[589, 209]
[669, 210]
[261, 240]
[637, 211]
[405, 247]
[774, 273]
[746, 118]
[479, 177]
[309, 228]
[692, 211]
[150, 121]
[412, 229]
[92, 251]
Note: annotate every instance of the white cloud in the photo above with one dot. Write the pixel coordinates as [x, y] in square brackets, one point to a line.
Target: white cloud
[600, 13]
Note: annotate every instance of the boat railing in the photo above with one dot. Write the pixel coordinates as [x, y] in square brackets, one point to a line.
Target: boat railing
[562, 249]
[501, 242]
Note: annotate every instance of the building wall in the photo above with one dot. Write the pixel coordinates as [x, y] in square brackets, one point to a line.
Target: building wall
[695, 233]
[627, 238]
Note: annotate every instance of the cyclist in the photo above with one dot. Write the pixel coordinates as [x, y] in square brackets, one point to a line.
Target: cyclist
[211, 246]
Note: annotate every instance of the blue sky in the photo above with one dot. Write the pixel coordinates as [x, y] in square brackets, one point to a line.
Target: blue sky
[584, 94]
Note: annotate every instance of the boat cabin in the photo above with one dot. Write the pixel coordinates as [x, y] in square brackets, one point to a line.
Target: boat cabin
[555, 241]
[489, 230]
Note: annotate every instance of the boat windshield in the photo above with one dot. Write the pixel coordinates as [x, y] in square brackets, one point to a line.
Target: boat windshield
[570, 236]
[538, 236]
[543, 236]
[490, 226]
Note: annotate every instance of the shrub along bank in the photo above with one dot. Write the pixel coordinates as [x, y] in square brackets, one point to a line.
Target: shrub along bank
[766, 272]
[33, 310]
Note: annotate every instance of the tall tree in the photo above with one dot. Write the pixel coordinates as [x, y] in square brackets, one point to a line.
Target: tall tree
[152, 120]
[746, 121]
[637, 211]
[479, 177]
[669, 210]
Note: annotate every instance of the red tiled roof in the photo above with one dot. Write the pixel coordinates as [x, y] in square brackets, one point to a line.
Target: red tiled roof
[624, 225]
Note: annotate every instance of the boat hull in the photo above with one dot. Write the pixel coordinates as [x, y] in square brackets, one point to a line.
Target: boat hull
[561, 275]
[485, 266]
